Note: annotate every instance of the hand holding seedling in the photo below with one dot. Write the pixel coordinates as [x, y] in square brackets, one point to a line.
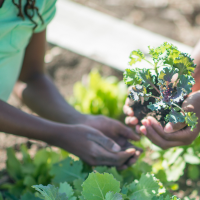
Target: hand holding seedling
[172, 135]
[161, 89]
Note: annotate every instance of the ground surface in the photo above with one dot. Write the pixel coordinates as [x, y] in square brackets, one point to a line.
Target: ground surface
[176, 19]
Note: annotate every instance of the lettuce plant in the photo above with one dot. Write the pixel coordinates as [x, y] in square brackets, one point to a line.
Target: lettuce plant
[168, 80]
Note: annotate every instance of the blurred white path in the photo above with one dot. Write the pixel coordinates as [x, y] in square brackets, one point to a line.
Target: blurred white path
[99, 36]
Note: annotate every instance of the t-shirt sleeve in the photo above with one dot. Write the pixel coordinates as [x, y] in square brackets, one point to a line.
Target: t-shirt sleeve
[47, 12]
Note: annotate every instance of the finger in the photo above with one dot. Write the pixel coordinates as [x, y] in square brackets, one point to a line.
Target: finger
[128, 110]
[171, 127]
[158, 140]
[137, 129]
[175, 136]
[114, 159]
[124, 156]
[127, 132]
[105, 142]
[133, 159]
[131, 121]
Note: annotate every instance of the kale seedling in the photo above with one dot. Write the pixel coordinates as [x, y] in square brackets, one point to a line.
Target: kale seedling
[169, 77]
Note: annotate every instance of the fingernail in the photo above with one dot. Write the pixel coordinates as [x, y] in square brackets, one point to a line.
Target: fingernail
[143, 130]
[145, 122]
[137, 153]
[168, 128]
[130, 150]
[116, 148]
[134, 121]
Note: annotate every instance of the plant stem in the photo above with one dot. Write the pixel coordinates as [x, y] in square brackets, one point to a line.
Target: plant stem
[154, 86]
[149, 62]
[156, 97]
[179, 108]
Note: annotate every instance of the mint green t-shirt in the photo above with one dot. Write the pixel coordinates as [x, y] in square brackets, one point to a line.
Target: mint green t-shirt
[15, 34]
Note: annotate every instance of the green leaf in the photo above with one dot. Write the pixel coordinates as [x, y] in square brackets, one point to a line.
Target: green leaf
[1, 197]
[13, 165]
[78, 186]
[138, 92]
[44, 156]
[49, 192]
[157, 106]
[26, 156]
[136, 56]
[191, 120]
[185, 64]
[185, 83]
[110, 170]
[112, 196]
[67, 170]
[165, 53]
[176, 170]
[191, 159]
[161, 198]
[29, 181]
[67, 189]
[175, 117]
[166, 73]
[193, 172]
[145, 189]
[131, 77]
[146, 77]
[97, 185]
[29, 196]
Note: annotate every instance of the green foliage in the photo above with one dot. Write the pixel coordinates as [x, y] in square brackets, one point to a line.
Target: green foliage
[99, 95]
[144, 189]
[29, 171]
[169, 75]
[50, 192]
[67, 170]
[98, 185]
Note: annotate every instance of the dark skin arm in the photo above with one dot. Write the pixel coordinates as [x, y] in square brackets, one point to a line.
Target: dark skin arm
[38, 92]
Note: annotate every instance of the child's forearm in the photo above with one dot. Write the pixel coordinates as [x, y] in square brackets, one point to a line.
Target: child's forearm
[41, 95]
[196, 75]
[19, 123]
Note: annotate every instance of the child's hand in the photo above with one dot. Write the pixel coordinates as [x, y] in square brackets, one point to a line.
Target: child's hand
[92, 146]
[116, 131]
[172, 135]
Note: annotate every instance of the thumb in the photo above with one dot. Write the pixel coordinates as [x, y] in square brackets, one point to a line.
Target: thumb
[171, 127]
[105, 142]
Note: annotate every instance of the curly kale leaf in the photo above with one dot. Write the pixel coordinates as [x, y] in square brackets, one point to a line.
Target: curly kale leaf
[136, 56]
[158, 105]
[166, 73]
[138, 91]
[178, 96]
[146, 76]
[131, 77]
[164, 53]
[184, 63]
[191, 120]
[186, 82]
[175, 117]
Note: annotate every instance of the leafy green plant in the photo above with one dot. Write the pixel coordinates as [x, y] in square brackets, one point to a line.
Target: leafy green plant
[29, 171]
[99, 95]
[168, 81]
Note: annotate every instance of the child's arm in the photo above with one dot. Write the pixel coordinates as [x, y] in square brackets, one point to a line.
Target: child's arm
[37, 90]
[39, 93]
